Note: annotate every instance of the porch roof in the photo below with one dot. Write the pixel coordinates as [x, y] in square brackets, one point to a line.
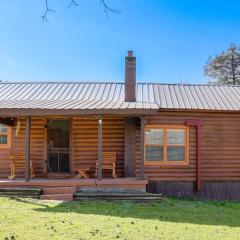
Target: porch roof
[72, 107]
[96, 97]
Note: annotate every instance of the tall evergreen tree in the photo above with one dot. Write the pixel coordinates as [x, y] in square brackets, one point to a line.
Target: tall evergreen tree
[225, 67]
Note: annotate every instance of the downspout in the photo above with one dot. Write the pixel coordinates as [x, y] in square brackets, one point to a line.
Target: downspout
[197, 123]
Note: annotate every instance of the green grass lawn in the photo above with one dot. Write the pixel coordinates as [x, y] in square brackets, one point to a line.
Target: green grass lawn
[166, 219]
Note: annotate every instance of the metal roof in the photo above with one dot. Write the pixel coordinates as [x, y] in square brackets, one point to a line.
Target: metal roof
[193, 97]
[110, 96]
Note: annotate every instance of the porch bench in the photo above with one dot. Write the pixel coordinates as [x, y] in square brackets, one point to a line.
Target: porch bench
[108, 163]
[18, 162]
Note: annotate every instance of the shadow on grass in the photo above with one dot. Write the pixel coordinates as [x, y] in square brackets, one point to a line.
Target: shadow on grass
[27, 200]
[166, 210]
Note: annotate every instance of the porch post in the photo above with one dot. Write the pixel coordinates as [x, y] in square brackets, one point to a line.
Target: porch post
[27, 149]
[142, 147]
[99, 147]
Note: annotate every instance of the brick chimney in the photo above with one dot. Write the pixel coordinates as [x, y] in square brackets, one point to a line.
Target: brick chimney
[130, 77]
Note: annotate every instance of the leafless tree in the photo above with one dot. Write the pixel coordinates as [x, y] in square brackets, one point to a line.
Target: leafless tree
[49, 10]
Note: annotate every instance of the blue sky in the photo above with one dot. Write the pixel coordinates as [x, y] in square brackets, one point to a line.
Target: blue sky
[172, 39]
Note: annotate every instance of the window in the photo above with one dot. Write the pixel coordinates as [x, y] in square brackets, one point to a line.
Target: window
[5, 136]
[166, 145]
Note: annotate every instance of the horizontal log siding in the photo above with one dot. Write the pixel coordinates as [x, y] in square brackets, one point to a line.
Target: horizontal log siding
[18, 145]
[85, 141]
[220, 148]
[84, 144]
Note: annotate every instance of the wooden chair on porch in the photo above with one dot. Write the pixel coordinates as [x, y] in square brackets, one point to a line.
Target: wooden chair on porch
[18, 162]
[108, 163]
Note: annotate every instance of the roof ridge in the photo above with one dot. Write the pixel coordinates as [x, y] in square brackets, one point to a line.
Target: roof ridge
[58, 82]
[109, 82]
[191, 84]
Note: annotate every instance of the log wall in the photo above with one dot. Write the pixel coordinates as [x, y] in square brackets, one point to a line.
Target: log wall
[220, 147]
[18, 145]
[85, 141]
[84, 144]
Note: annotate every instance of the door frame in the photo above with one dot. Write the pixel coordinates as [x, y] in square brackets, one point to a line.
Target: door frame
[45, 171]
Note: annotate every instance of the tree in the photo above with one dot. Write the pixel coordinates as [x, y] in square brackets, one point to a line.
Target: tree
[225, 67]
[49, 10]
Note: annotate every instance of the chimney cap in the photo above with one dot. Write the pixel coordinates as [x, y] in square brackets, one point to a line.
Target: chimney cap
[130, 53]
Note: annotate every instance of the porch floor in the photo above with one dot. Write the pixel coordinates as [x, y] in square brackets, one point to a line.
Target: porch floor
[110, 184]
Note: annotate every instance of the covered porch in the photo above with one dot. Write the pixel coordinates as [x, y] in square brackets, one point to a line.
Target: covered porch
[89, 137]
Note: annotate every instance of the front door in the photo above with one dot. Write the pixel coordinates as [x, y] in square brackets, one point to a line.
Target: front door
[58, 148]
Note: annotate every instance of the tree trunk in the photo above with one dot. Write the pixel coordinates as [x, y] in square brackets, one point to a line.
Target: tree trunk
[233, 67]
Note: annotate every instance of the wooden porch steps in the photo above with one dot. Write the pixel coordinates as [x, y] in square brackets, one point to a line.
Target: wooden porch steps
[134, 196]
[64, 189]
[58, 193]
[59, 197]
[58, 190]
[20, 192]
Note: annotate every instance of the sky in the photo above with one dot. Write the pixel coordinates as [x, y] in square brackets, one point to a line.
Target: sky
[171, 39]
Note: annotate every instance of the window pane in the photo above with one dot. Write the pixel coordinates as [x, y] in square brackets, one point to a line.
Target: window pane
[3, 131]
[176, 153]
[3, 139]
[154, 136]
[154, 153]
[3, 135]
[175, 136]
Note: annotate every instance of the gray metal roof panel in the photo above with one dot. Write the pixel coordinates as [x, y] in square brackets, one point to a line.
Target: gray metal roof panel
[97, 95]
[71, 104]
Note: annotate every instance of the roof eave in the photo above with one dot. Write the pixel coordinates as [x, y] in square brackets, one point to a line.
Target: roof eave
[194, 110]
[13, 112]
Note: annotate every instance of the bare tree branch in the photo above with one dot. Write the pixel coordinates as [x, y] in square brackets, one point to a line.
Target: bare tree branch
[107, 9]
[47, 12]
[73, 3]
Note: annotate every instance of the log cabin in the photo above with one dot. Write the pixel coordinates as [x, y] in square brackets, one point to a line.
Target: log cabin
[179, 139]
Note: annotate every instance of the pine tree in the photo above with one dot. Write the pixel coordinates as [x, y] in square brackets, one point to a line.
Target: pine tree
[225, 67]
